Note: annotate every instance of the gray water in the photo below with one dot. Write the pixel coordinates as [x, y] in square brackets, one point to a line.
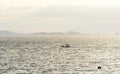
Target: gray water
[44, 54]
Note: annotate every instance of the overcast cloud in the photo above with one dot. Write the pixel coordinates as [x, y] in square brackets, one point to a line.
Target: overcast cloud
[84, 16]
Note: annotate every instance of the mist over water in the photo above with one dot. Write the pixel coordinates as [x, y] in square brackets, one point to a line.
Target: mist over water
[59, 36]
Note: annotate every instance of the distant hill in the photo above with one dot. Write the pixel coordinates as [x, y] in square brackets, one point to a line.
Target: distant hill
[54, 33]
[72, 32]
[38, 33]
[44, 33]
[6, 33]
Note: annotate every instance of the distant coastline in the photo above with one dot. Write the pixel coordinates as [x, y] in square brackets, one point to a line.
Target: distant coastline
[51, 33]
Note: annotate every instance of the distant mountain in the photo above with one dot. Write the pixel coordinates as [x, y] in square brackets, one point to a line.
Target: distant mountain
[37, 33]
[72, 32]
[6, 33]
[44, 33]
[54, 33]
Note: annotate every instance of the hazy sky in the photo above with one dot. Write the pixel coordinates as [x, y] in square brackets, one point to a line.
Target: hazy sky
[84, 16]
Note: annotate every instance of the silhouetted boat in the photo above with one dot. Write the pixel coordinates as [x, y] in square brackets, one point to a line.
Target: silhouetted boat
[66, 46]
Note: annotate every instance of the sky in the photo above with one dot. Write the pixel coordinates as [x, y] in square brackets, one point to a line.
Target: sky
[84, 16]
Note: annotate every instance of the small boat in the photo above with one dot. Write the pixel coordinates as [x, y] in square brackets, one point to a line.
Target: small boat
[66, 46]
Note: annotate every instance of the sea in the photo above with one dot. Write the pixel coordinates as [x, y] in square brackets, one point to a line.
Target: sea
[43, 54]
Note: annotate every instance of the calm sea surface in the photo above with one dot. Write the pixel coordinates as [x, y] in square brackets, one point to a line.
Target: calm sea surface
[44, 55]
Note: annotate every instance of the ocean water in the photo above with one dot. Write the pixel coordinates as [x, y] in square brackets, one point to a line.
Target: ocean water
[44, 54]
